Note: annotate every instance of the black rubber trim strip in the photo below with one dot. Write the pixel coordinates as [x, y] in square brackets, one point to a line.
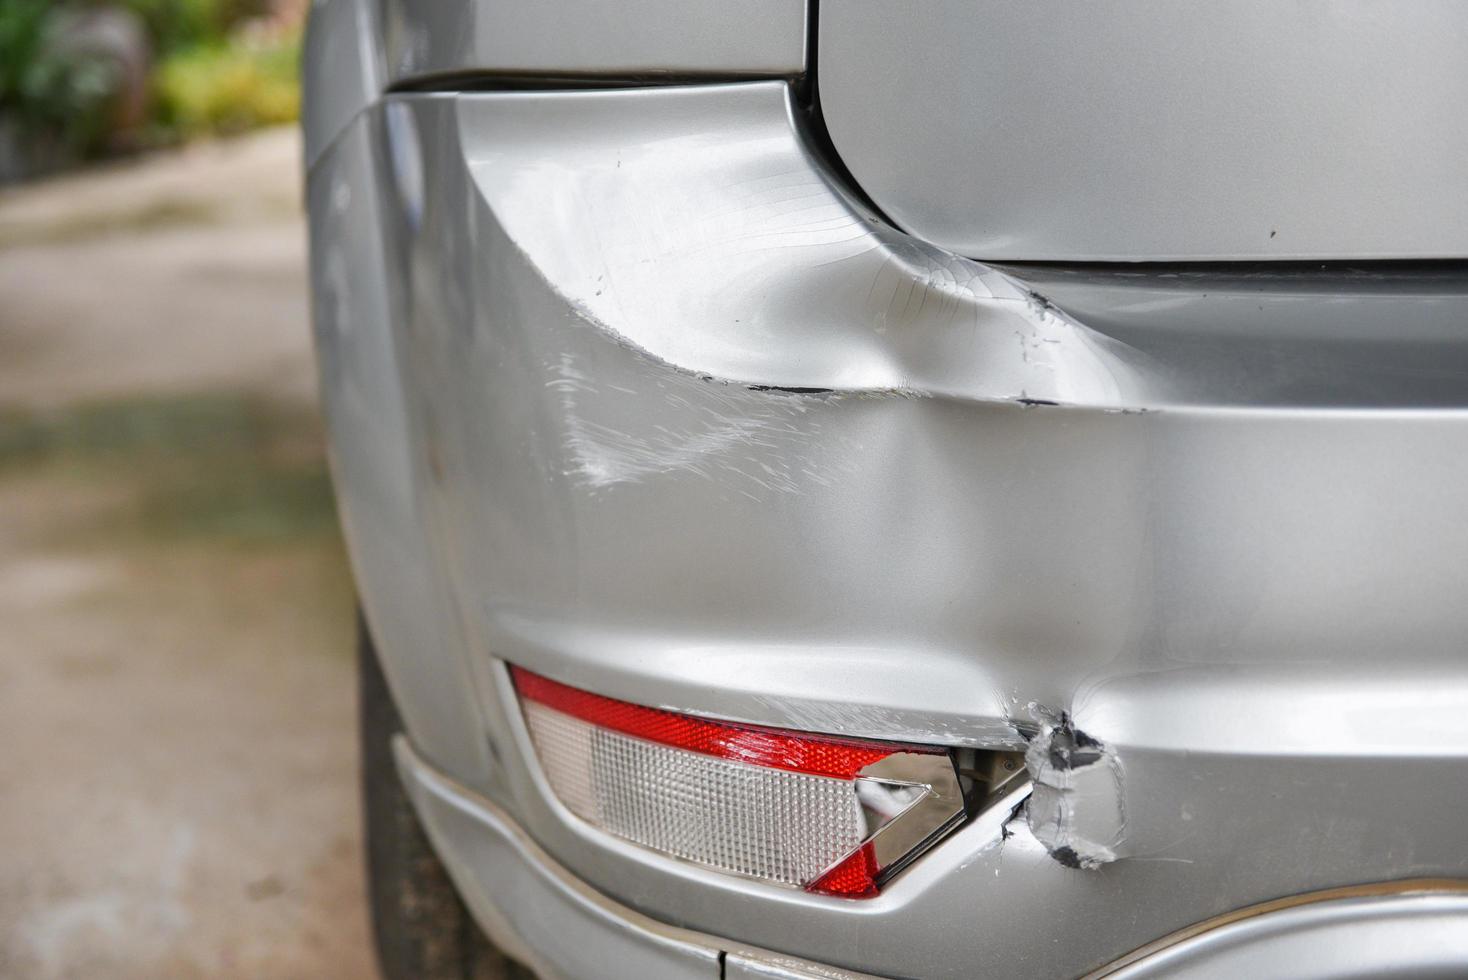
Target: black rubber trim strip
[528, 81]
[1263, 272]
[1249, 268]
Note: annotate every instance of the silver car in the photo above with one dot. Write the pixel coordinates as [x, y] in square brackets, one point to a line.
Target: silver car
[948, 489]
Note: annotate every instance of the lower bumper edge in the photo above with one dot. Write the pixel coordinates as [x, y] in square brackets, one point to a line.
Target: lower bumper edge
[541, 914]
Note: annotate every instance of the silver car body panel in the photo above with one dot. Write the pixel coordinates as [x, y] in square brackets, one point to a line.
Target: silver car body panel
[356, 313]
[341, 70]
[625, 388]
[1409, 928]
[587, 37]
[356, 49]
[1154, 130]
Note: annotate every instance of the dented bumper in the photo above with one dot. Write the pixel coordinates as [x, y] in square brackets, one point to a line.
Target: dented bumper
[624, 388]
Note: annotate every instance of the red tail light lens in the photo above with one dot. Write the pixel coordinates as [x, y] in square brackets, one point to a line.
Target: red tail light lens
[825, 813]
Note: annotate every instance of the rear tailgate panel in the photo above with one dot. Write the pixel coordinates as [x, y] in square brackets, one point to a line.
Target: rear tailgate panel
[1238, 129]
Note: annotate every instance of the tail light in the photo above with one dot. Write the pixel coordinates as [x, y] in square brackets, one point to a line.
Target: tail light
[824, 813]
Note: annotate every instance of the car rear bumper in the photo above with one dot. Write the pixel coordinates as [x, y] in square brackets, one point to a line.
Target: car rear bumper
[624, 388]
[538, 912]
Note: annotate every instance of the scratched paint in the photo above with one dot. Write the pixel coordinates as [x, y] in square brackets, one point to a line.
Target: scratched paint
[756, 443]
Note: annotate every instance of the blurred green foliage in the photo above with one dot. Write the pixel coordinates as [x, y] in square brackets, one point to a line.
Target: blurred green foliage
[54, 95]
[214, 74]
[69, 89]
[230, 86]
[174, 25]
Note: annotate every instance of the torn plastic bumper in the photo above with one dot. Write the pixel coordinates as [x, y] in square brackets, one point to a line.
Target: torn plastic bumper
[624, 388]
[1075, 807]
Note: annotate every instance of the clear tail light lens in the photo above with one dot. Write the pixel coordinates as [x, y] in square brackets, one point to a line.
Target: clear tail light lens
[824, 813]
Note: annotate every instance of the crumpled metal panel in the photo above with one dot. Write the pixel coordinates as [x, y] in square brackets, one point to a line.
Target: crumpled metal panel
[687, 426]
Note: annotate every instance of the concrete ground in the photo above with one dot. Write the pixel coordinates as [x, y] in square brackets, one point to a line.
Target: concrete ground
[178, 772]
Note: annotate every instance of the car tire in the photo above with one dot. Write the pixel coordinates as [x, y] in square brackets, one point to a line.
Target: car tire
[420, 927]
